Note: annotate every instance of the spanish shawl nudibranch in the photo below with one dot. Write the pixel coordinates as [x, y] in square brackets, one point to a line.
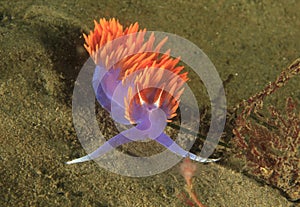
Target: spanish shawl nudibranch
[143, 88]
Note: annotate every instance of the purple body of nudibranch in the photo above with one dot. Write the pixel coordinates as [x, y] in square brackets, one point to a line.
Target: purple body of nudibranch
[136, 91]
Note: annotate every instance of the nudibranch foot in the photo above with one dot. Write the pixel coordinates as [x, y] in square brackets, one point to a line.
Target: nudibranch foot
[134, 134]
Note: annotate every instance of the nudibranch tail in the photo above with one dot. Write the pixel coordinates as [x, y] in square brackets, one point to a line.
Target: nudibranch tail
[136, 83]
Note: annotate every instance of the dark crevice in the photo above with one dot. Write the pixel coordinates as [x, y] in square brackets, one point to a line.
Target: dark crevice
[64, 45]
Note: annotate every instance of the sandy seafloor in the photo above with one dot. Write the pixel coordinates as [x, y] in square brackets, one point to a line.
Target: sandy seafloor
[41, 54]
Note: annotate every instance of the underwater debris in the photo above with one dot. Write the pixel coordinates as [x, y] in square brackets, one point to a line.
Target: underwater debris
[187, 170]
[270, 144]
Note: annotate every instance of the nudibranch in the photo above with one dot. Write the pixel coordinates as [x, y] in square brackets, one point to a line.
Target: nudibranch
[136, 84]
